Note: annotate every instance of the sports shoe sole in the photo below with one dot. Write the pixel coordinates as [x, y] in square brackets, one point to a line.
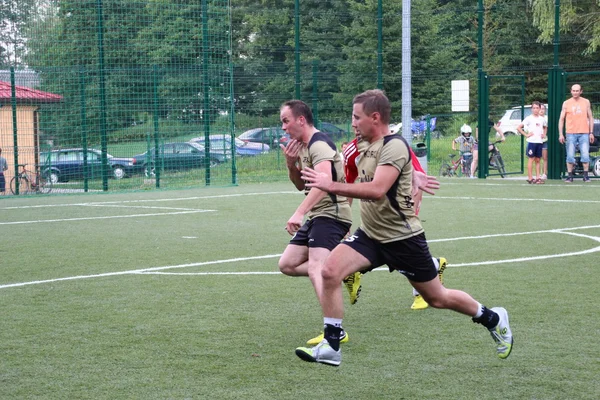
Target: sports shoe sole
[304, 354]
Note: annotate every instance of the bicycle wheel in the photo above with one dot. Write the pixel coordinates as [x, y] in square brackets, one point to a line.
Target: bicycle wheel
[24, 185]
[445, 170]
[500, 165]
[44, 185]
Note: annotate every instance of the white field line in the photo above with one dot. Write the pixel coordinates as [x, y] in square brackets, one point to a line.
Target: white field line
[156, 270]
[104, 217]
[513, 199]
[284, 193]
[137, 271]
[151, 200]
[142, 207]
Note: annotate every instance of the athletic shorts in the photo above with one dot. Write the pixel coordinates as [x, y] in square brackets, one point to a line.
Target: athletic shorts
[410, 257]
[534, 150]
[321, 232]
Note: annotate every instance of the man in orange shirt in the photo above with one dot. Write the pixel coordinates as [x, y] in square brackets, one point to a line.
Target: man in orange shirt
[577, 112]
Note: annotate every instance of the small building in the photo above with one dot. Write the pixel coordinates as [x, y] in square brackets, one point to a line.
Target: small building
[28, 136]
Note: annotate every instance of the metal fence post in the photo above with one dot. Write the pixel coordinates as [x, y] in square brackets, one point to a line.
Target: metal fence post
[13, 101]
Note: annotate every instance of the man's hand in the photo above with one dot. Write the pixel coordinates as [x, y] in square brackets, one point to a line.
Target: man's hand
[319, 180]
[291, 152]
[424, 182]
[561, 138]
[294, 223]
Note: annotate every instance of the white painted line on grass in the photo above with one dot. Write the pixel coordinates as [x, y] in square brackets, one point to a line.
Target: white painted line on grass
[558, 230]
[151, 200]
[156, 270]
[138, 271]
[104, 217]
[513, 199]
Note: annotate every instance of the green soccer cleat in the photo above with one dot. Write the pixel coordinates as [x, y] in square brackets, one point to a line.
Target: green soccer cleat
[352, 283]
[318, 339]
[322, 353]
[502, 334]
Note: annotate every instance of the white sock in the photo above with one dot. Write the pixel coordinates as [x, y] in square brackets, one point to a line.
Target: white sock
[437, 268]
[479, 310]
[337, 322]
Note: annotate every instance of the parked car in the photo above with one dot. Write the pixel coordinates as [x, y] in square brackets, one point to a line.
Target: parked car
[327, 128]
[268, 136]
[176, 156]
[512, 119]
[332, 130]
[220, 145]
[67, 164]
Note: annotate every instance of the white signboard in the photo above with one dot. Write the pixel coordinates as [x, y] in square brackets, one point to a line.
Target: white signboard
[460, 95]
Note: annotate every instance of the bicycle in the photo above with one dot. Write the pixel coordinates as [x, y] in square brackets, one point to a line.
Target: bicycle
[496, 161]
[462, 165]
[30, 182]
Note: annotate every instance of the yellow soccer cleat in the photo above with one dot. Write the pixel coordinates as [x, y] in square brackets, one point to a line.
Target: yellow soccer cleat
[352, 283]
[419, 303]
[318, 339]
[443, 264]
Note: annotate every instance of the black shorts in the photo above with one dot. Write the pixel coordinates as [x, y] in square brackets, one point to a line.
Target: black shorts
[321, 232]
[410, 257]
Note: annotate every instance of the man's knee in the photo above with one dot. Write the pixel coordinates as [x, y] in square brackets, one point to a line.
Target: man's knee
[330, 273]
[285, 267]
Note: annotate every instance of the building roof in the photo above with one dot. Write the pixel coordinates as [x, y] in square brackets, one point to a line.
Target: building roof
[27, 94]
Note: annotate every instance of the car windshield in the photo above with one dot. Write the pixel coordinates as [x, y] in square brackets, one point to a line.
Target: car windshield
[220, 144]
[197, 146]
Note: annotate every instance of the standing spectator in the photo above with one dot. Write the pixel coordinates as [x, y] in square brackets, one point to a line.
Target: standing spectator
[579, 127]
[534, 129]
[544, 145]
[3, 167]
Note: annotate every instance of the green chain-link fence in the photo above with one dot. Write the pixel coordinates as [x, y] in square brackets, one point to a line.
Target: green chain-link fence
[187, 93]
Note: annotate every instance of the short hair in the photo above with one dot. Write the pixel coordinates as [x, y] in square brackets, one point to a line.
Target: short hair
[300, 109]
[375, 100]
[536, 103]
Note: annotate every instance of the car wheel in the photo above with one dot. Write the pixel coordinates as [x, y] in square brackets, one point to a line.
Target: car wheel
[118, 172]
[214, 163]
[149, 171]
[596, 167]
[53, 177]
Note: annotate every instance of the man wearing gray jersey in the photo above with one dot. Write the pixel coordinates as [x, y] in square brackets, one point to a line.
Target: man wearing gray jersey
[390, 233]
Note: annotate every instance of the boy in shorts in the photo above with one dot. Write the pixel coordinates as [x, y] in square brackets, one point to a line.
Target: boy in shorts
[534, 128]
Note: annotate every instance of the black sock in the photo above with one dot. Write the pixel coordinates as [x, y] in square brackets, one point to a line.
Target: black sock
[489, 319]
[585, 174]
[332, 334]
[571, 174]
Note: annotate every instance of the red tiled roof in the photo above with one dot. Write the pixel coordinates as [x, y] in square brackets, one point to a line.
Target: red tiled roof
[25, 93]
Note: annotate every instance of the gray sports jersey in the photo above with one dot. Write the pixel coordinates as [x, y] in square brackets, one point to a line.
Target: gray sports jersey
[320, 149]
[393, 217]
